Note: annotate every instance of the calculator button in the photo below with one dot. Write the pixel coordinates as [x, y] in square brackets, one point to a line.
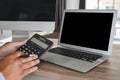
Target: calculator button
[26, 48]
[35, 50]
[26, 53]
[23, 46]
[29, 50]
[20, 49]
[32, 52]
[38, 52]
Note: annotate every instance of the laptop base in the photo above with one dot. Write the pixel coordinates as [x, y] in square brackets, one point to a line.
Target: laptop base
[71, 63]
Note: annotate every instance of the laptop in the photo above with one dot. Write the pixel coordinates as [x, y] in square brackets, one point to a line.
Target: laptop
[85, 39]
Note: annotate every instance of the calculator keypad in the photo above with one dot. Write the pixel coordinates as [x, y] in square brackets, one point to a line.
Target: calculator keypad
[30, 50]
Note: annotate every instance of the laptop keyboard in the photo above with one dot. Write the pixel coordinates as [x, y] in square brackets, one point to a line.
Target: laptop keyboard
[75, 54]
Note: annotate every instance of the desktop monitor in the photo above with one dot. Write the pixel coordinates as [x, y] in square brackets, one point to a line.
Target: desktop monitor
[28, 15]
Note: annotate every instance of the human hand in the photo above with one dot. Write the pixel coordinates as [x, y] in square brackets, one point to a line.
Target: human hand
[15, 68]
[10, 47]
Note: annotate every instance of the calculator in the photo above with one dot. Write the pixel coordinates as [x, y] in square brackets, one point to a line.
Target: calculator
[36, 45]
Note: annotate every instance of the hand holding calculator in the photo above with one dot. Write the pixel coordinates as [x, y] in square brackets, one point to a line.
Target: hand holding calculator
[36, 45]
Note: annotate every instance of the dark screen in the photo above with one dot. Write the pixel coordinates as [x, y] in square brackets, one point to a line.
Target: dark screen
[91, 30]
[27, 10]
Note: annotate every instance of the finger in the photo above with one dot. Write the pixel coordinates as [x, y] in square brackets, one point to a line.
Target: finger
[18, 44]
[28, 71]
[30, 64]
[28, 59]
[17, 54]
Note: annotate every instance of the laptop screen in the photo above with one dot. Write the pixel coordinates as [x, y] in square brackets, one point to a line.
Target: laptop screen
[87, 29]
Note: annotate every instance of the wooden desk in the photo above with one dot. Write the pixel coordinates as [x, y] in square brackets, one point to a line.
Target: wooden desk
[109, 70]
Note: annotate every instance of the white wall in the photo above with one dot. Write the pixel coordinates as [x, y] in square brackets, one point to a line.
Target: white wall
[72, 4]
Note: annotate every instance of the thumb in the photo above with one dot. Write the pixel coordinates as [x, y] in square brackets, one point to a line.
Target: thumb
[18, 44]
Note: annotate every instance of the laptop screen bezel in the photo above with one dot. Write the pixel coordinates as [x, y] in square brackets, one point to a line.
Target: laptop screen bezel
[109, 51]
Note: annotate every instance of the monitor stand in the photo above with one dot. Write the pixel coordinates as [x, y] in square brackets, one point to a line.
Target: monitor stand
[17, 35]
[22, 35]
[12, 35]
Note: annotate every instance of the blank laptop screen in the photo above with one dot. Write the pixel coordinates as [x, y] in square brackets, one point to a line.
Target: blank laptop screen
[85, 29]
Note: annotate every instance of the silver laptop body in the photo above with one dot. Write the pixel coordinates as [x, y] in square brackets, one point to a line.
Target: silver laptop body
[89, 31]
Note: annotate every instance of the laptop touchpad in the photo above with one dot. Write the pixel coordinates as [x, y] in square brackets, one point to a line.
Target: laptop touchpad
[57, 58]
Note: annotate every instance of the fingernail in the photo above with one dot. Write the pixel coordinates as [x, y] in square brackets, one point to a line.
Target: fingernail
[38, 61]
[33, 55]
[36, 68]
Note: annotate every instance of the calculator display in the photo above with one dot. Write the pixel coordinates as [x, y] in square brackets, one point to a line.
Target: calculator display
[39, 43]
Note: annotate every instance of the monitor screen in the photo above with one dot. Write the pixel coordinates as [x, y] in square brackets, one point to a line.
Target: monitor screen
[28, 14]
[27, 10]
